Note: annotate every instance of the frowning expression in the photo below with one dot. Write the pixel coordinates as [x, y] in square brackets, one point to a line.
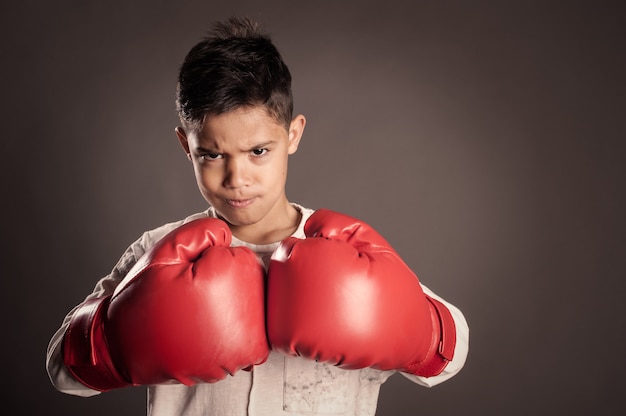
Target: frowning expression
[240, 162]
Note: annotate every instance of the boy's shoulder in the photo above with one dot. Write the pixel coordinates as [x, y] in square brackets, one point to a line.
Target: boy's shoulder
[150, 237]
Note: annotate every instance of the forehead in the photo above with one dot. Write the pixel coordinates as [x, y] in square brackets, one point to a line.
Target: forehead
[244, 125]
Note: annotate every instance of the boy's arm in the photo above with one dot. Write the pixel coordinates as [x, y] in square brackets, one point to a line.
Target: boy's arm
[59, 375]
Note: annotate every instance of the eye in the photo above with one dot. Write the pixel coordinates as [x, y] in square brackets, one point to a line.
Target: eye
[211, 156]
[259, 152]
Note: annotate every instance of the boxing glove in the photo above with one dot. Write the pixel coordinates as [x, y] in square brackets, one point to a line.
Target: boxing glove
[343, 296]
[191, 310]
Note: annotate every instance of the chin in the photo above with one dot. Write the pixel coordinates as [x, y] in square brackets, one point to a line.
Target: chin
[238, 219]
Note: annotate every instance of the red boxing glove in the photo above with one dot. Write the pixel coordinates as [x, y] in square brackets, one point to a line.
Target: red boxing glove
[191, 310]
[344, 296]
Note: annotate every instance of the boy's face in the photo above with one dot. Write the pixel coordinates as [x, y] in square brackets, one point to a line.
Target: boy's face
[240, 163]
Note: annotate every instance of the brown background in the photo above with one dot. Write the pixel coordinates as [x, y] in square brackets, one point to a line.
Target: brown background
[485, 140]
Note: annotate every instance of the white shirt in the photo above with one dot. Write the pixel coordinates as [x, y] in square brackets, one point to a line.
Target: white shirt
[282, 385]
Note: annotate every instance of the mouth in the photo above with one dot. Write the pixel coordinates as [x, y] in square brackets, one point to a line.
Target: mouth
[239, 203]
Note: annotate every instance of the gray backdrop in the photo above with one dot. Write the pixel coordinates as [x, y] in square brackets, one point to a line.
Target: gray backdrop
[485, 140]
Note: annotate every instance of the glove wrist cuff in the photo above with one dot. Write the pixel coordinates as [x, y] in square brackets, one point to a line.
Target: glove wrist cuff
[85, 351]
[441, 351]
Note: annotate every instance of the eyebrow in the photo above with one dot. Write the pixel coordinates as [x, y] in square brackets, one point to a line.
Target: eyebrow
[256, 146]
[201, 149]
[262, 145]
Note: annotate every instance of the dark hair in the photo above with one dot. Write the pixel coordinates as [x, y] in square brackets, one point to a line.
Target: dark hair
[235, 66]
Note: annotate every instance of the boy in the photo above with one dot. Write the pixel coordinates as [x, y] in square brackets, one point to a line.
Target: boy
[256, 306]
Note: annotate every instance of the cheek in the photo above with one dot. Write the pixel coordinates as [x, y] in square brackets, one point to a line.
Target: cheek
[278, 173]
[205, 179]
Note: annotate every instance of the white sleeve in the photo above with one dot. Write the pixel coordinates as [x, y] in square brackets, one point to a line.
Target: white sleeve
[461, 348]
[59, 375]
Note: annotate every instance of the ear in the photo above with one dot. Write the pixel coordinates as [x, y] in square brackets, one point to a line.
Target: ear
[182, 138]
[296, 129]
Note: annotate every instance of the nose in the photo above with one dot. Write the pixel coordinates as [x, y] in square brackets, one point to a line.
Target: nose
[236, 174]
